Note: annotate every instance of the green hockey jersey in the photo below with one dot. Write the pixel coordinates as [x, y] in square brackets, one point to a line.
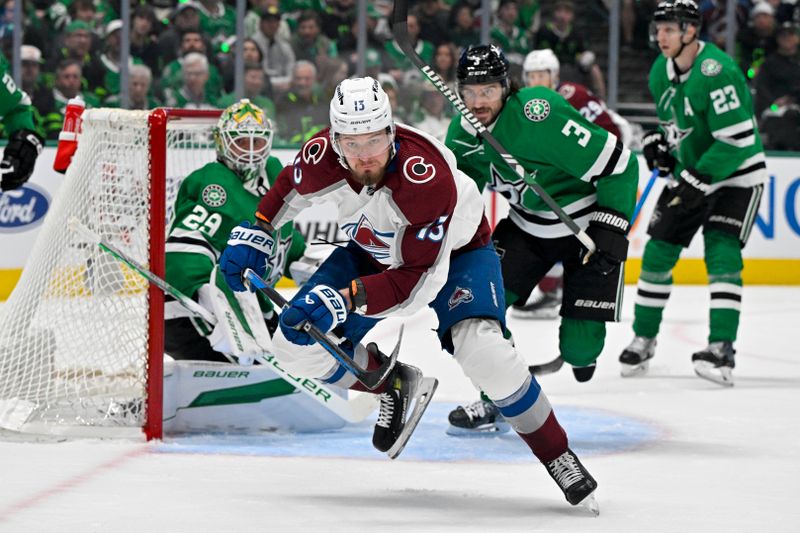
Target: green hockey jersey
[706, 115]
[16, 111]
[579, 164]
[211, 201]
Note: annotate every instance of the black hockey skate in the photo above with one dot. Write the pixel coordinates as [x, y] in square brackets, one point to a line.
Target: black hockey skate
[574, 480]
[636, 357]
[584, 373]
[476, 418]
[407, 392]
[715, 363]
[543, 306]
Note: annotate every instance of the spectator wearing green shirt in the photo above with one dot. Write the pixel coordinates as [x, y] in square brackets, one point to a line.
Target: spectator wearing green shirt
[139, 83]
[255, 89]
[308, 42]
[172, 77]
[216, 20]
[192, 93]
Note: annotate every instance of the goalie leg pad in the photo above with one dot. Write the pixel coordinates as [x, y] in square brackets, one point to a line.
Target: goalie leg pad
[240, 329]
[311, 361]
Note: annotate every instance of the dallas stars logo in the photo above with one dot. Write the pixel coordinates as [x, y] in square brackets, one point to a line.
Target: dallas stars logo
[675, 135]
[537, 109]
[248, 110]
[512, 190]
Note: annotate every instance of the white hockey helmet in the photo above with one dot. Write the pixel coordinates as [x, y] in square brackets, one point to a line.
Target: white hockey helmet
[243, 136]
[359, 105]
[543, 59]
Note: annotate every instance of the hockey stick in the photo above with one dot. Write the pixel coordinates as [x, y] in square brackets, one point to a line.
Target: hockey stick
[352, 411]
[644, 195]
[400, 30]
[370, 379]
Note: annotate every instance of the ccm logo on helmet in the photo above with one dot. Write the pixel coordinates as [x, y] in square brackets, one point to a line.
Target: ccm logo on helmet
[314, 149]
[416, 170]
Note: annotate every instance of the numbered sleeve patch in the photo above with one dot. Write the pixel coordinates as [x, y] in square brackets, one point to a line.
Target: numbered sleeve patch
[214, 195]
[537, 109]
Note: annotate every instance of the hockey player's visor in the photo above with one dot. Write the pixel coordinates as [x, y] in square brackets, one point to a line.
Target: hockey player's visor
[471, 93]
[364, 145]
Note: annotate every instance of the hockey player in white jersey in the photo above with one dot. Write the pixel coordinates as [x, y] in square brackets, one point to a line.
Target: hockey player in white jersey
[418, 237]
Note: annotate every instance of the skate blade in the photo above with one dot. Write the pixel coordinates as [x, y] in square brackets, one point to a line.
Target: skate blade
[719, 375]
[422, 397]
[495, 428]
[631, 371]
[590, 503]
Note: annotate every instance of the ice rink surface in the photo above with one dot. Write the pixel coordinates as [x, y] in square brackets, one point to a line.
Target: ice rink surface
[671, 452]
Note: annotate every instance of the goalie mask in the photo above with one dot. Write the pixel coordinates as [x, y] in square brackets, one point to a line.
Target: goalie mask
[359, 106]
[243, 136]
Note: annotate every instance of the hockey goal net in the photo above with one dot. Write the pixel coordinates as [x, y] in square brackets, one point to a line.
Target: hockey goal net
[81, 336]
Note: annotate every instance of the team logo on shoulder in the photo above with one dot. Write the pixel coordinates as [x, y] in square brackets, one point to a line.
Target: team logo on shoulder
[537, 109]
[567, 91]
[416, 170]
[214, 195]
[460, 295]
[314, 149]
[710, 67]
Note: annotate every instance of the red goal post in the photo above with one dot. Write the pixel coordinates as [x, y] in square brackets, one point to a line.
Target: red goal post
[82, 335]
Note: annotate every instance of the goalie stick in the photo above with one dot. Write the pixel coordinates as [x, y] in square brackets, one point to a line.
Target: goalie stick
[370, 379]
[400, 30]
[352, 411]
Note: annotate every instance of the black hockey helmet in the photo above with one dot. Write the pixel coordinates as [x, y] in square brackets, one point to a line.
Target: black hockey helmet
[681, 11]
[482, 64]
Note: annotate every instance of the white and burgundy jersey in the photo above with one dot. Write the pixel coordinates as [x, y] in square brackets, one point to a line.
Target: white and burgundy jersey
[588, 105]
[410, 224]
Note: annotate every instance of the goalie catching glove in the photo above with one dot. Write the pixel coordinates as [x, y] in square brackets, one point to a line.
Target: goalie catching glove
[19, 158]
[249, 246]
[322, 306]
[608, 230]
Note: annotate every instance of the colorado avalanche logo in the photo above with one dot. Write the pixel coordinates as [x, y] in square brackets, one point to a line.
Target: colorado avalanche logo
[372, 241]
[416, 170]
[459, 296]
[567, 91]
[314, 149]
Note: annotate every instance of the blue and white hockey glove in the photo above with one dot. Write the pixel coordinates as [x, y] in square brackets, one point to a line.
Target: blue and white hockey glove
[249, 246]
[322, 306]
[608, 230]
[690, 191]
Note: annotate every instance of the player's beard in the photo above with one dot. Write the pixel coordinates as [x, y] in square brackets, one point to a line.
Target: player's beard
[369, 176]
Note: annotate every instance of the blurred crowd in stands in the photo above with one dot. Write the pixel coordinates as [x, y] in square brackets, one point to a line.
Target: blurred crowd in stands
[296, 52]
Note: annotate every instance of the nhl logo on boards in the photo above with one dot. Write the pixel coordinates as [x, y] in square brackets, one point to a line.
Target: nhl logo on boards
[537, 109]
[710, 67]
[214, 195]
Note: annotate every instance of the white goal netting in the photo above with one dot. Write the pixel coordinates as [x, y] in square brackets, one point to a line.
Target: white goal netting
[74, 333]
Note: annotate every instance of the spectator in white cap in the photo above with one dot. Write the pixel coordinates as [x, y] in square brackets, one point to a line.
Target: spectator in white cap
[31, 70]
[757, 40]
[110, 58]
